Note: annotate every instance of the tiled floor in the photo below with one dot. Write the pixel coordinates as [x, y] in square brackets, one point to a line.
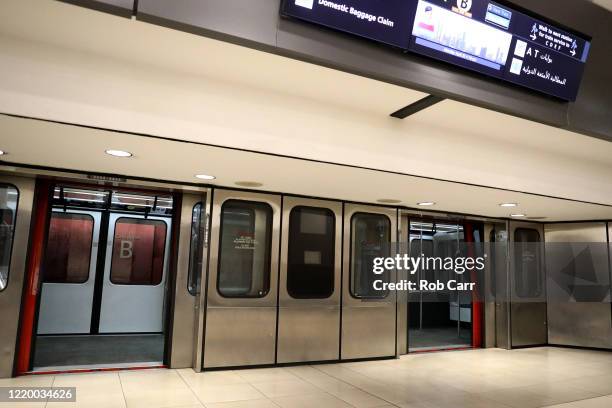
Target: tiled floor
[541, 377]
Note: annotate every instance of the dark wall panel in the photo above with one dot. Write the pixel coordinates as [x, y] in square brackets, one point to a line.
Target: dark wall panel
[252, 20]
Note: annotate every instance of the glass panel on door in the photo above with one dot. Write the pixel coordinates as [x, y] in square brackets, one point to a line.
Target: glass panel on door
[370, 238]
[8, 208]
[311, 258]
[138, 252]
[245, 250]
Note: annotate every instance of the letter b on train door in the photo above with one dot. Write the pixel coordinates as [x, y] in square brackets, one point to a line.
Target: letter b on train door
[126, 249]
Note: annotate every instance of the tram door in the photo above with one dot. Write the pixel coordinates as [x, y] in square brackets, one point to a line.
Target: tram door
[135, 271]
[243, 275]
[70, 272]
[104, 272]
[528, 314]
[309, 285]
[368, 315]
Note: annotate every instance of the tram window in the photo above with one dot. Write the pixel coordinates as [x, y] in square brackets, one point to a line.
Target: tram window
[370, 238]
[311, 258]
[195, 251]
[245, 249]
[138, 252]
[9, 197]
[68, 253]
[527, 261]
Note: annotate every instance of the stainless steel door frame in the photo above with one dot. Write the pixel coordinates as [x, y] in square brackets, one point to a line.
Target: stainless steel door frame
[403, 233]
[368, 326]
[185, 313]
[528, 317]
[241, 331]
[10, 297]
[496, 287]
[200, 312]
[309, 329]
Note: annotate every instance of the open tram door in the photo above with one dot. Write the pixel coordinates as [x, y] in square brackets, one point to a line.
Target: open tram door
[98, 279]
[435, 320]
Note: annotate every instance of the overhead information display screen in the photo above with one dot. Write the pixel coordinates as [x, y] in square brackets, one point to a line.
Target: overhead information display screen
[498, 41]
[386, 21]
[480, 35]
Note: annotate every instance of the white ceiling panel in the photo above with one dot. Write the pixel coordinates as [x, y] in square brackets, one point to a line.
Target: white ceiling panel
[76, 148]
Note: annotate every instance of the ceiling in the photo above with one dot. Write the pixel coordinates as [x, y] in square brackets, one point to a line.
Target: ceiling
[174, 161]
[295, 127]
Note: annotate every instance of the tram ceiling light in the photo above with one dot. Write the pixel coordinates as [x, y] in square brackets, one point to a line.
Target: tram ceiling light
[2, 152]
[426, 204]
[518, 215]
[389, 201]
[508, 205]
[205, 177]
[118, 153]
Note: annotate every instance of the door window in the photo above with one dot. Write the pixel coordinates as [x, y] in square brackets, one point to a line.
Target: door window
[195, 251]
[527, 261]
[9, 197]
[370, 238]
[68, 253]
[311, 258]
[138, 252]
[245, 250]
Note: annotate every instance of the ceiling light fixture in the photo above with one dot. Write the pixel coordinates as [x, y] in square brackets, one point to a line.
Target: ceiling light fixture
[2, 152]
[389, 201]
[426, 204]
[508, 205]
[517, 215]
[118, 153]
[205, 177]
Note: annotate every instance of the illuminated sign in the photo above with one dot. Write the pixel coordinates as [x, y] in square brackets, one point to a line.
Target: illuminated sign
[480, 35]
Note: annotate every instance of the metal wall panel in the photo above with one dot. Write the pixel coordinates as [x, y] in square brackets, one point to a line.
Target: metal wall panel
[527, 313]
[241, 331]
[309, 329]
[10, 297]
[254, 21]
[578, 285]
[123, 8]
[368, 326]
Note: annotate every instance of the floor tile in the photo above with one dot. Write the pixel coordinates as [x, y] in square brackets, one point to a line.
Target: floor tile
[311, 401]
[262, 403]
[226, 393]
[283, 388]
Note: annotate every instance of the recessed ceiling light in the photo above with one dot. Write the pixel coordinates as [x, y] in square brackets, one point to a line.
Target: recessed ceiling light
[508, 205]
[205, 177]
[118, 153]
[389, 201]
[249, 184]
[2, 152]
[426, 203]
[518, 215]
